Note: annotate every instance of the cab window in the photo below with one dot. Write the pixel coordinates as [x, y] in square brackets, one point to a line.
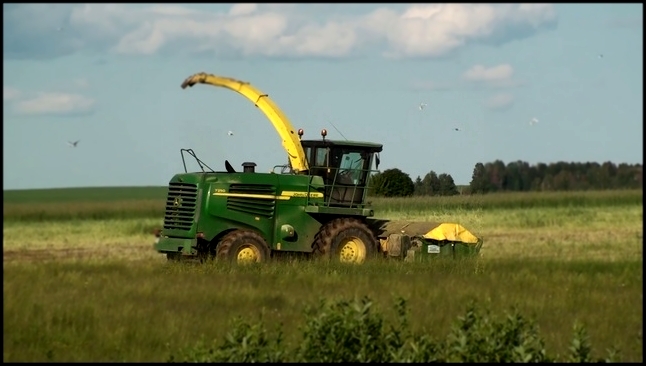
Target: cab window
[354, 162]
[321, 154]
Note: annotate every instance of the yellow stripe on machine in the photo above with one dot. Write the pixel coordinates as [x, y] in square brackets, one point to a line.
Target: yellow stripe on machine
[302, 194]
[284, 196]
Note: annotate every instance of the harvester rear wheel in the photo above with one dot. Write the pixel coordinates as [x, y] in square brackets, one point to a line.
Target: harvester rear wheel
[345, 239]
[243, 247]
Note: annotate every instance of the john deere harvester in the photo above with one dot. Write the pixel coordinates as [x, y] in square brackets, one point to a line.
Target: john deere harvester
[314, 205]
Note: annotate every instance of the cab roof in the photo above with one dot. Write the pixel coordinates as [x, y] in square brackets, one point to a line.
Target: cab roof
[343, 143]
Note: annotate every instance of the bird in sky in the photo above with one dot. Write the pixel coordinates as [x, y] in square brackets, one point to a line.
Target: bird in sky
[422, 106]
[73, 144]
[230, 133]
[457, 129]
[533, 121]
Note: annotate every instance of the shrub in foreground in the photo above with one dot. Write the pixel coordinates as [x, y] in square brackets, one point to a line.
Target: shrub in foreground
[353, 332]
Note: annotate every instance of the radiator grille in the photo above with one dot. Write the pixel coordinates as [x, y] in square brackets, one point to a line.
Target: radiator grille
[180, 206]
[263, 205]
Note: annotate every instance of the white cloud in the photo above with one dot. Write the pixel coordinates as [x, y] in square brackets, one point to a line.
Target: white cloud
[54, 103]
[9, 93]
[421, 30]
[500, 102]
[495, 73]
[242, 9]
[500, 76]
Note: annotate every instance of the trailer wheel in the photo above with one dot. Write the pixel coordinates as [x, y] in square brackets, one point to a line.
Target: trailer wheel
[345, 239]
[242, 247]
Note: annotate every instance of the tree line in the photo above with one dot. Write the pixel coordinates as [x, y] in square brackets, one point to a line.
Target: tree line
[520, 176]
[517, 176]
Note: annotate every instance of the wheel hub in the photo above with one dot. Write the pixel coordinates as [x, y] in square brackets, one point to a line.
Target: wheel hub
[248, 254]
[353, 250]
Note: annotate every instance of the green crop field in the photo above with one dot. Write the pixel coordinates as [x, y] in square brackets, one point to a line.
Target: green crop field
[82, 283]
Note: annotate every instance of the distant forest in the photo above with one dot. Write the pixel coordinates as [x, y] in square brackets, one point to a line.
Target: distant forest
[518, 176]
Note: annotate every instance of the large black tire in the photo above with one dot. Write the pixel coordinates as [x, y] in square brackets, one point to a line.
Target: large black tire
[243, 246]
[346, 240]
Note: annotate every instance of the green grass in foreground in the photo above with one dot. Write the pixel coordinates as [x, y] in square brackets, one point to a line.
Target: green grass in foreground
[147, 202]
[144, 311]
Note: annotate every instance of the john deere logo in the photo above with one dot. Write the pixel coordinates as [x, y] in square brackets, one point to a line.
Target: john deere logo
[177, 202]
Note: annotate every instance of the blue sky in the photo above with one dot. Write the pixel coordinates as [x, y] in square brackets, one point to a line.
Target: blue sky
[110, 75]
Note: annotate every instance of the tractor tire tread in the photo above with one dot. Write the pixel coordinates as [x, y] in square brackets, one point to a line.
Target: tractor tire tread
[323, 240]
[224, 247]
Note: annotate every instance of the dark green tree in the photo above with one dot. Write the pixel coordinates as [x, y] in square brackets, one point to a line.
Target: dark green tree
[392, 183]
[514, 180]
[431, 184]
[419, 186]
[447, 185]
[498, 175]
[479, 180]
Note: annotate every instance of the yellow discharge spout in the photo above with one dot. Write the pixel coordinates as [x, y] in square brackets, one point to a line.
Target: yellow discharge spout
[291, 142]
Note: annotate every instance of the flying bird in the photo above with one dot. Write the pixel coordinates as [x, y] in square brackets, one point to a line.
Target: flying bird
[73, 144]
[230, 133]
[422, 106]
[457, 129]
[533, 121]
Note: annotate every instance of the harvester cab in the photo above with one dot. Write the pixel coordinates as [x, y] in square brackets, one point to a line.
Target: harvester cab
[345, 167]
[316, 206]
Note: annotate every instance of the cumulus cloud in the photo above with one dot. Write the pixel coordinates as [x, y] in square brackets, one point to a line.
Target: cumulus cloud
[55, 104]
[500, 102]
[422, 30]
[501, 76]
[242, 9]
[48, 103]
[9, 93]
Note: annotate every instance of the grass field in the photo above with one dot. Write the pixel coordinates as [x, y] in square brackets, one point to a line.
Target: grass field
[81, 282]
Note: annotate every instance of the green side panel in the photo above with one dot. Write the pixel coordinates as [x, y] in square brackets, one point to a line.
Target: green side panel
[341, 211]
[239, 200]
[295, 229]
[187, 246]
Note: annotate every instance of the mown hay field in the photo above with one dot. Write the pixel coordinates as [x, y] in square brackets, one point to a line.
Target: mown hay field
[82, 283]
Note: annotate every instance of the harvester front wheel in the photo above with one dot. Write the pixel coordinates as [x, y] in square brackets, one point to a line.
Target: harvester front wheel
[345, 239]
[243, 247]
